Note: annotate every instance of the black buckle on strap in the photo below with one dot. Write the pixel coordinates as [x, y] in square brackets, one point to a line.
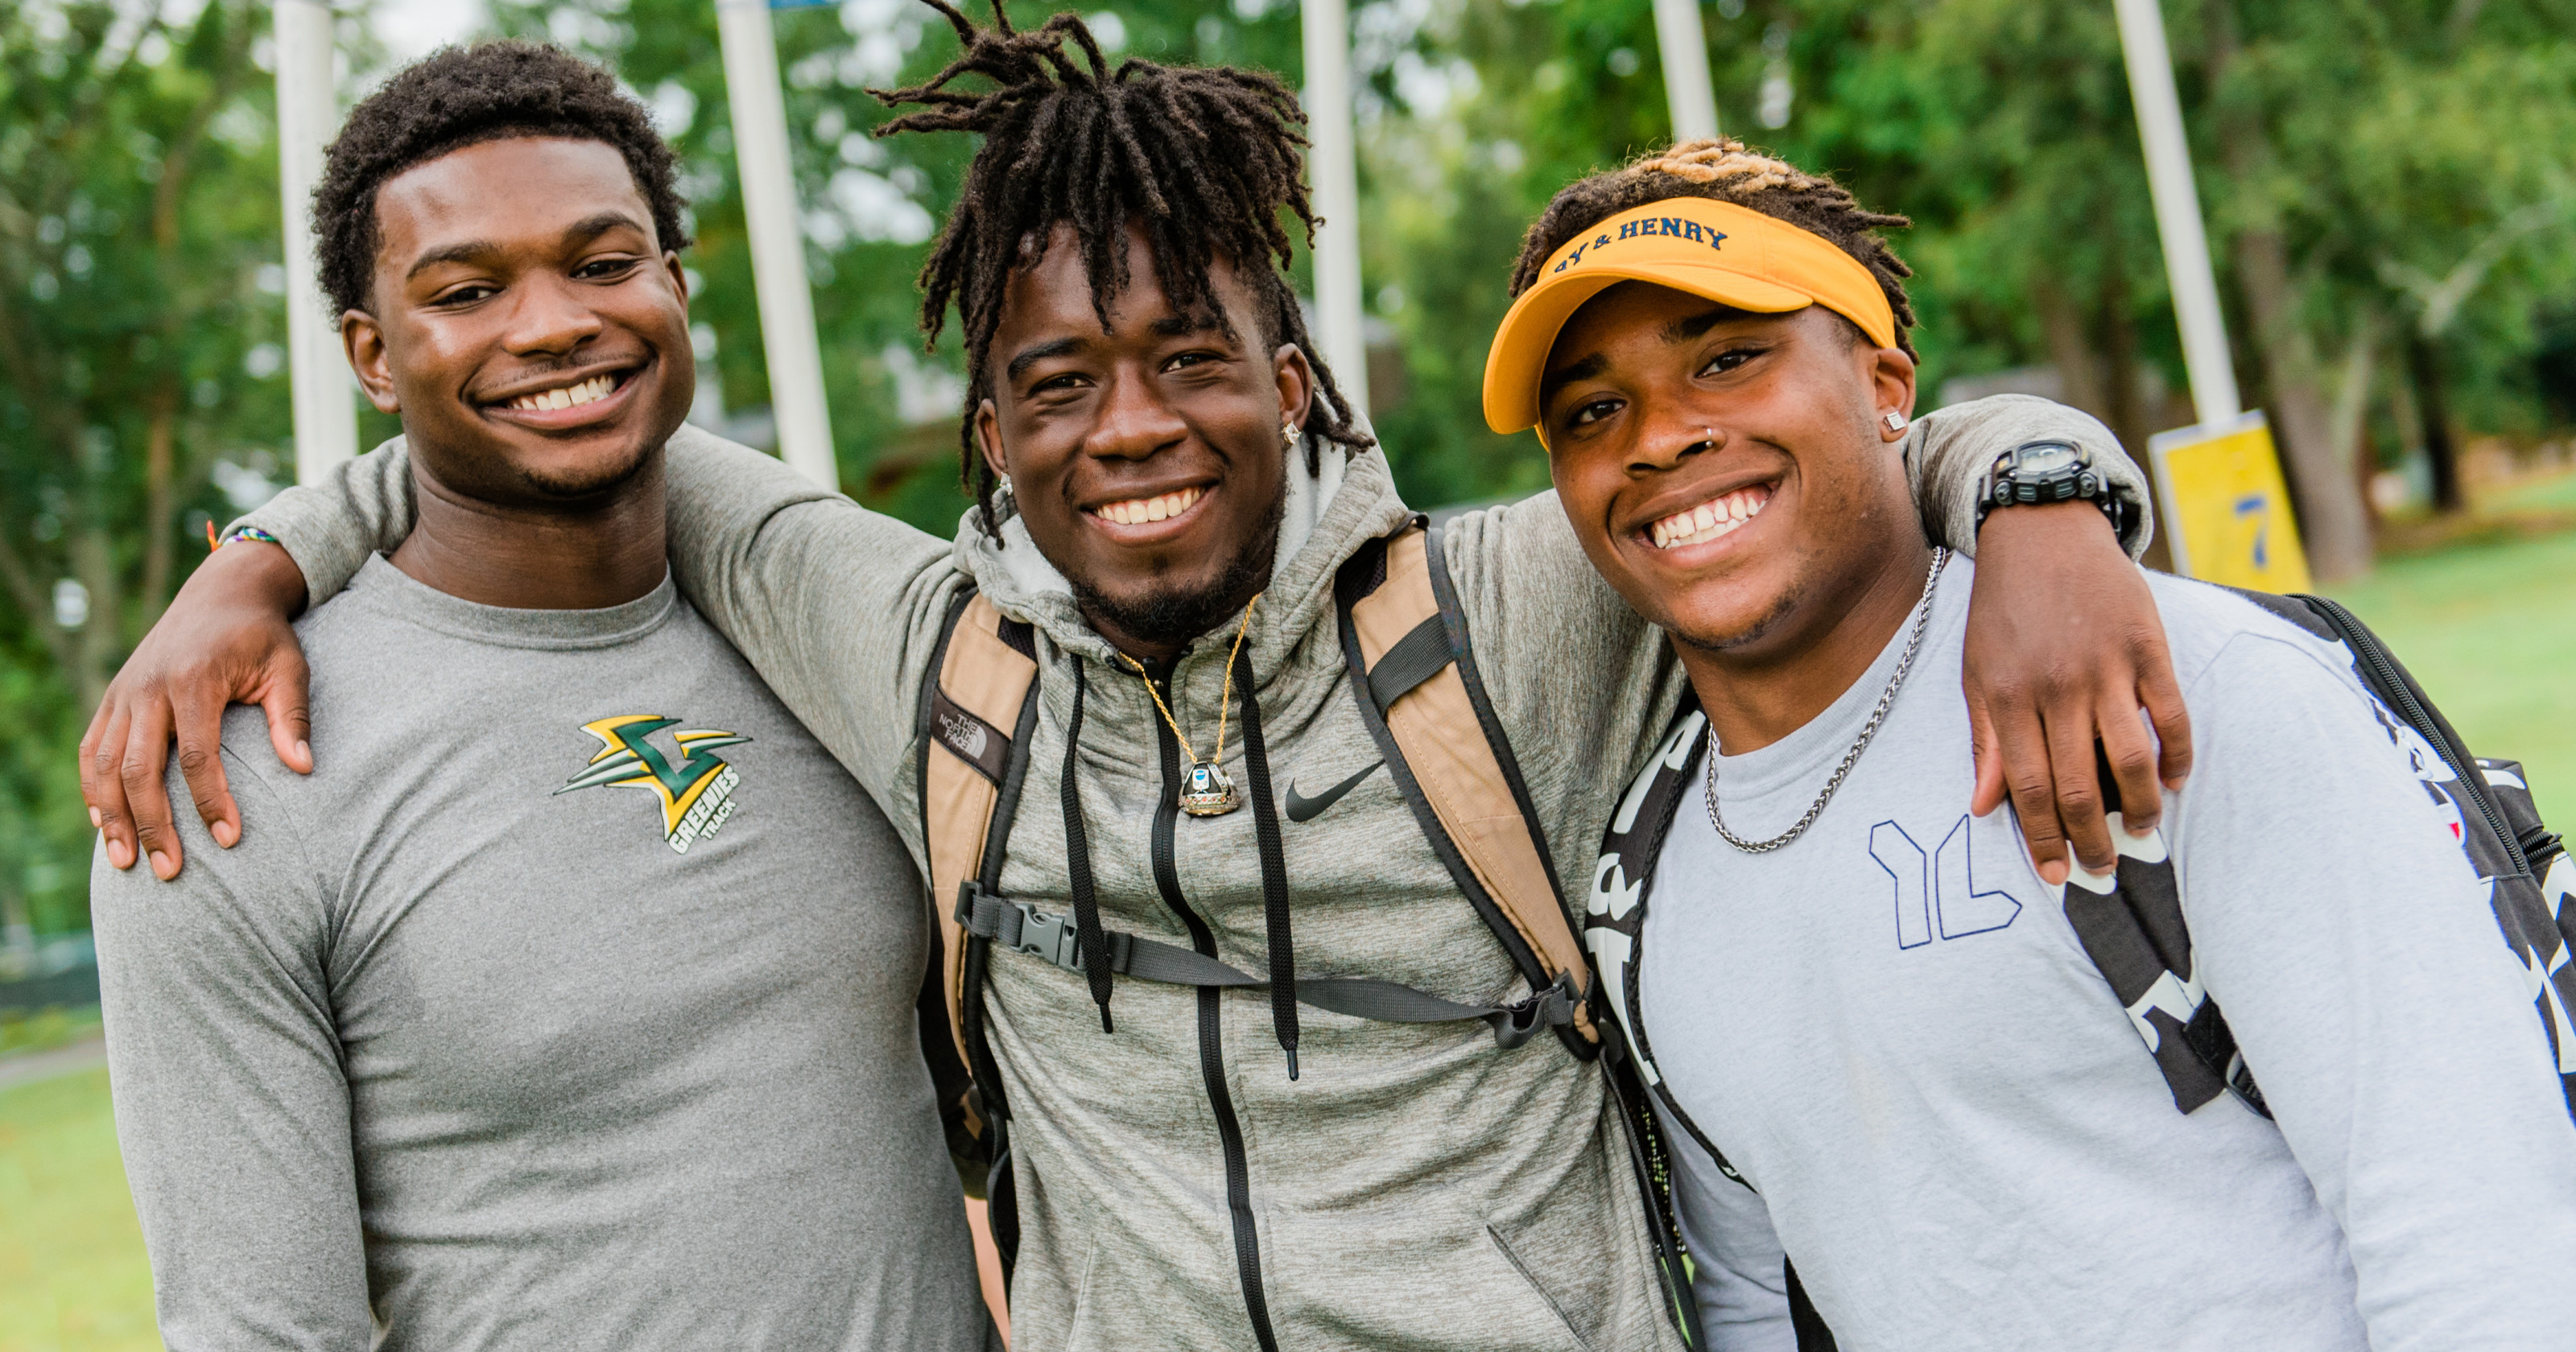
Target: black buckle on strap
[1515, 1024]
[1023, 928]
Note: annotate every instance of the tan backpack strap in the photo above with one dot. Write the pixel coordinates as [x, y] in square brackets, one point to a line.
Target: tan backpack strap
[1452, 759]
[974, 715]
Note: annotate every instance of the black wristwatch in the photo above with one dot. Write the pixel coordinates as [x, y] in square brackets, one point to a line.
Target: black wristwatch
[2051, 471]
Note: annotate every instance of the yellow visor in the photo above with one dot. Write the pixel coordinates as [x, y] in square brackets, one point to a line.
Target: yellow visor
[1729, 254]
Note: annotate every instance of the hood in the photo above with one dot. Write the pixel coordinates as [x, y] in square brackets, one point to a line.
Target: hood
[1331, 511]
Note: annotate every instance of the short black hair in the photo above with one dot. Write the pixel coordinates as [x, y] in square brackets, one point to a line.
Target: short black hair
[1207, 159]
[463, 96]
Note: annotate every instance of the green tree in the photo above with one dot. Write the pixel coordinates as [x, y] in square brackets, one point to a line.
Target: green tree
[138, 363]
[2366, 169]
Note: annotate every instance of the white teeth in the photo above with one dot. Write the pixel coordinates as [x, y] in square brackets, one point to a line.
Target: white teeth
[570, 396]
[1139, 511]
[1710, 519]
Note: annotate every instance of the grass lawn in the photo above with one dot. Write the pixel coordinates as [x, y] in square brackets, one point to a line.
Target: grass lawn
[72, 1272]
[2489, 629]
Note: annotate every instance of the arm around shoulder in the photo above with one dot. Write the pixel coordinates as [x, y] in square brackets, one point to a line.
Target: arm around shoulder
[1949, 451]
[837, 607]
[332, 528]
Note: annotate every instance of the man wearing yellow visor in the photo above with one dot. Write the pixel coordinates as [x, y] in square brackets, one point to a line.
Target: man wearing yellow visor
[1907, 1110]
[1809, 245]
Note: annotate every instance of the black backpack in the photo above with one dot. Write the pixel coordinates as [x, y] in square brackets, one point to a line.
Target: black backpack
[2134, 931]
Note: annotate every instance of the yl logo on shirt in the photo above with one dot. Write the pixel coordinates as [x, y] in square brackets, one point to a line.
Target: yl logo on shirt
[1943, 891]
[696, 792]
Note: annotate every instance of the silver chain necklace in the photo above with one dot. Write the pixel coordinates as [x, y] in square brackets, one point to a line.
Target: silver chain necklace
[1886, 698]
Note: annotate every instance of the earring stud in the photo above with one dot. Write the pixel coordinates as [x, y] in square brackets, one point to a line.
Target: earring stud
[1290, 433]
[1895, 421]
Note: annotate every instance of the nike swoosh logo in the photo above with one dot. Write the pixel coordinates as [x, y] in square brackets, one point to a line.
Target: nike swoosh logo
[1304, 809]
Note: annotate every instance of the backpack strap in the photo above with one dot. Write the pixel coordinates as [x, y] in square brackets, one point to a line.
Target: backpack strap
[2532, 880]
[970, 788]
[2498, 853]
[1804, 1322]
[1414, 674]
[977, 710]
[2131, 921]
[1614, 924]
[1614, 917]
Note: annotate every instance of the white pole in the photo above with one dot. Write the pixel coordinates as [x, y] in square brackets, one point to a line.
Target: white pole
[308, 115]
[2178, 223]
[777, 240]
[1687, 87]
[1333, 161]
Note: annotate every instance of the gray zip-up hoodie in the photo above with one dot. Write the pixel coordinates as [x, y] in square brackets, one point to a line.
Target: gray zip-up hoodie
[1418, 1187]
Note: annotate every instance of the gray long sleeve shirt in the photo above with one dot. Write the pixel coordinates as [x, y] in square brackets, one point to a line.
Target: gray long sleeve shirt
[1893, 1030]
[1418, 1186]
[568, 1004]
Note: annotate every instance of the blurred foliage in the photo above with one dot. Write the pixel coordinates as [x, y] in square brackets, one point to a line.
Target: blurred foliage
[2376, 173]
[139, 368]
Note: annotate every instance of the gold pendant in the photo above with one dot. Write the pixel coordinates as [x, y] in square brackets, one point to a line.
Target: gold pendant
[1207, 792]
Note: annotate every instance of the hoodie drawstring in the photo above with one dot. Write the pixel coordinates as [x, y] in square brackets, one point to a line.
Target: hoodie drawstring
[1093, 943]
[1089, 940]
[1274, 866]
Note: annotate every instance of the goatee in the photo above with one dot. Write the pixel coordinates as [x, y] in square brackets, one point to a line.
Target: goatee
[1170, 617]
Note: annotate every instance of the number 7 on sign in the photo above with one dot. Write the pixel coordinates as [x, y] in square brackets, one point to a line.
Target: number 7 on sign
[2259, 507]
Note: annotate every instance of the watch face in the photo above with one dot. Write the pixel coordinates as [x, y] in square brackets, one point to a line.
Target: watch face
[2043, 459]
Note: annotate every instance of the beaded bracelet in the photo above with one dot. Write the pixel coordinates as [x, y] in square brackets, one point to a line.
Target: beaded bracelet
[252, 533]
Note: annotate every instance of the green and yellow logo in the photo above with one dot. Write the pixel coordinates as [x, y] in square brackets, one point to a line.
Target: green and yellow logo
[696, 794]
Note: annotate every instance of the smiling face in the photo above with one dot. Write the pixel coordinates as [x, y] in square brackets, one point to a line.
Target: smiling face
[534, 340]
[1146, 460]
[1730, 473]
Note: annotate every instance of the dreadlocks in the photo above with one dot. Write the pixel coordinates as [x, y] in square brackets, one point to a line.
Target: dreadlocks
[1204, 159]
[1723, 169]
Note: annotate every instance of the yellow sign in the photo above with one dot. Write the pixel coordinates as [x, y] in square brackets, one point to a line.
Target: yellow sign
[2227, 511]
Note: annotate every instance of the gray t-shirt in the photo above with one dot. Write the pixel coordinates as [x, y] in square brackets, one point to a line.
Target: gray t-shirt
[568, 1004]
[1892, 1029]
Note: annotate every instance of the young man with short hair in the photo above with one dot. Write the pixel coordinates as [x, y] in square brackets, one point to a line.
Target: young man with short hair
[1169, 491]
[1898, 1083]
[569, 1001]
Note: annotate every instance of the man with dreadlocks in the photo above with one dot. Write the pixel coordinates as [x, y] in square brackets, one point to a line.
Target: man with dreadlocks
[1168, 488]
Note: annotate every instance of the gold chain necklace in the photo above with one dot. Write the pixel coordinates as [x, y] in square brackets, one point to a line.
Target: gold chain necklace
[1206, 791]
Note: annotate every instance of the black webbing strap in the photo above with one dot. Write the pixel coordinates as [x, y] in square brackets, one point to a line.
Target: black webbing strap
[1088, 936]
[1020, 927]
[1804, 1322]
[1415, 658]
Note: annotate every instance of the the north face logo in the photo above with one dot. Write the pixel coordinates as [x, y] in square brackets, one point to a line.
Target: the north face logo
[965, 734]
